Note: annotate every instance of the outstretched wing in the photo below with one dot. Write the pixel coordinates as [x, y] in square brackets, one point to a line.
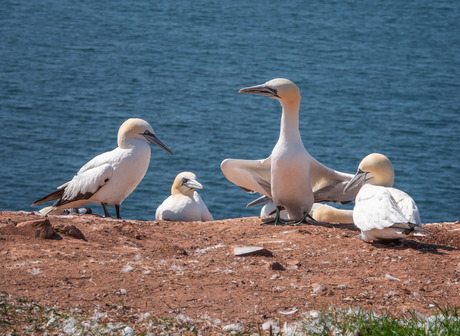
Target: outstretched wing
[250, 175]
[328, 184]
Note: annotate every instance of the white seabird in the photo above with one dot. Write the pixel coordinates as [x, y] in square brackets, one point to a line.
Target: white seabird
[110, 177]
[184, 204]
[382, 212]
[319, 212]
[290, 176]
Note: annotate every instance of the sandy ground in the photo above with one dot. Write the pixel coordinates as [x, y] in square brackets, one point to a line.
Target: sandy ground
[167, 268]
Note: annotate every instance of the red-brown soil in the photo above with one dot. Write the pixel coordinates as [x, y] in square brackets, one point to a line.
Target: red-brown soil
[169, 267]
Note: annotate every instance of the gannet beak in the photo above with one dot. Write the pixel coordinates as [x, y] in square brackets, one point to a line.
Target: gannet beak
[262, 90]
[261, 200]
[192, 184]
[358, 179]
[150, 137]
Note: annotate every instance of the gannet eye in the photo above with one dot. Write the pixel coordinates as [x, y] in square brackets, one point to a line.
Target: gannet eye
[147, 132]
[184, 180]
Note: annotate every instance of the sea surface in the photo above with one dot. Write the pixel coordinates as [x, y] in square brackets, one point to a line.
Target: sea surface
[375, 76]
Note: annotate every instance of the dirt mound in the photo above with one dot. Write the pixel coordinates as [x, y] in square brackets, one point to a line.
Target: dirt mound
[169, 267]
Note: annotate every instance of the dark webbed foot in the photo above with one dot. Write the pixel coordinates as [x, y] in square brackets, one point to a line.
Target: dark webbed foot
[276, 221]
[305, 220]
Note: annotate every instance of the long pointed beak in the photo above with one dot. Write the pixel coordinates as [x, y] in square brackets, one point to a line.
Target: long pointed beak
[262, 90]
[358, 179]
[193, 184]
[261, 200]
[157, 142]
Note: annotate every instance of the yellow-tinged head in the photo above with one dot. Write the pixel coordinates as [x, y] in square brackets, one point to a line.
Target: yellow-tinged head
[135, 128]
[185, 184]
[374, 169]
[279, 88]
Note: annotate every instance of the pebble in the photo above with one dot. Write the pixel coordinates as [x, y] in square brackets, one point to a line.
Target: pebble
[319, 288]
[34, 271]
[127, 268]
[251, 251]
[342, 286]
[275, 266]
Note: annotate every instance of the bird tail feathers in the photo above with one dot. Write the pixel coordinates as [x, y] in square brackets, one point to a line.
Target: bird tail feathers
[54, 195]
[410, 227]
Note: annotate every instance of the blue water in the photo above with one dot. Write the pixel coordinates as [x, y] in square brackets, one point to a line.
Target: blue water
[375, 76]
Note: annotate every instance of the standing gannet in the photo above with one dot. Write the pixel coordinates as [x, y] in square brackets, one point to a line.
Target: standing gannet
[290, 176]
[110, 177]
[184, 204]
[382, 212]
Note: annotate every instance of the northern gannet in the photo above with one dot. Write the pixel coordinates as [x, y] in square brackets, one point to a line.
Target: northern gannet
[290, 176]
[382, 212]
[319, 212]
[184, 204]
[110, 177]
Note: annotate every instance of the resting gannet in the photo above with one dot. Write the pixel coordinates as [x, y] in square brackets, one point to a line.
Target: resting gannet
[110, 177]
[290, 176]
[328, 214]
[319, 212]
[382, 212]
[184, 204]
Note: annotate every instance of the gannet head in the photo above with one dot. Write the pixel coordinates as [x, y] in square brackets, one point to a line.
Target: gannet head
[185, 183]
[279, 88]
[374, 169]
[135, 128]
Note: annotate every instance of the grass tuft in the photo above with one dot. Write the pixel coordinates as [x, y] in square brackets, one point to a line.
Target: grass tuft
[21, 317]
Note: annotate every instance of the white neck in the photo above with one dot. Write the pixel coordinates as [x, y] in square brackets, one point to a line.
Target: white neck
[289, 129]
[129, 142]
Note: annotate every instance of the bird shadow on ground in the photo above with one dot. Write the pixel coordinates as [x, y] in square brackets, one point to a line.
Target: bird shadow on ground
[402, 244]
[405, 244]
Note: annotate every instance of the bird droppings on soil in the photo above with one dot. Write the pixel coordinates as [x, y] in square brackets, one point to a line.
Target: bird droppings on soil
[166, 268]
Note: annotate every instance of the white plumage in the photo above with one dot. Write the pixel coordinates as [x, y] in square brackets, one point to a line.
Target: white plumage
[382, 212]
[184, 204]
[290, 176]
[110, 177]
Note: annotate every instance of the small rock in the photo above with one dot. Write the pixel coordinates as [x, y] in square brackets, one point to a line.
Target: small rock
[71, 231]
[34, 271]
[251, 251]
[39, 228]
[122, 291]
[275, 266]
[127, 268]
[342, 286]
[319, 288]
